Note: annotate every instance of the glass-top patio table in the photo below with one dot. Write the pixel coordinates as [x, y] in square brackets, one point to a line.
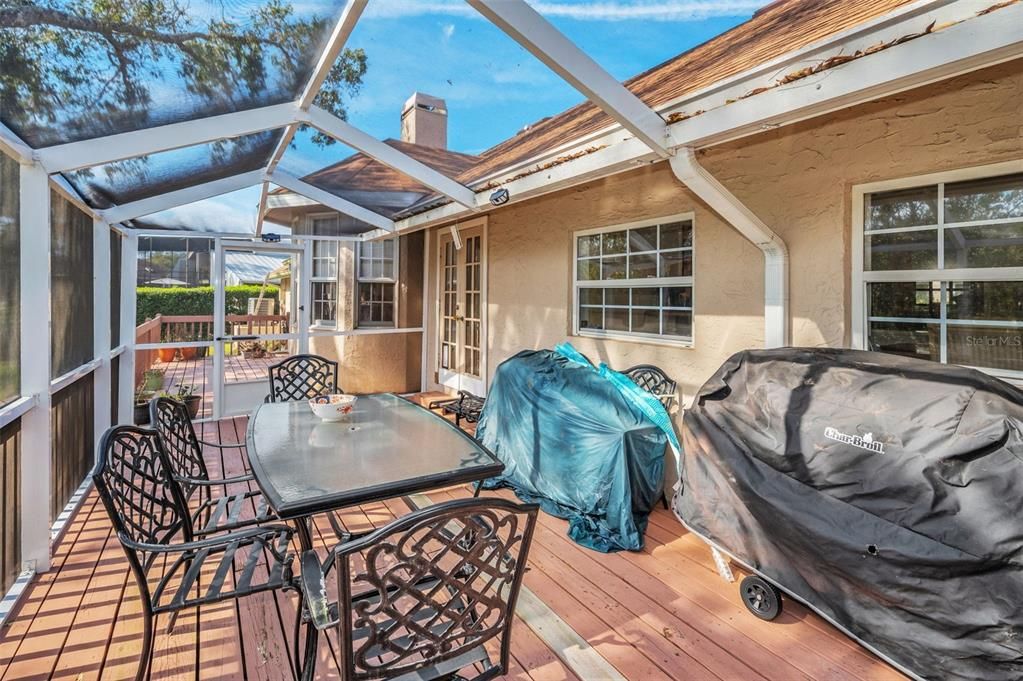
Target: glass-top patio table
[388, 447]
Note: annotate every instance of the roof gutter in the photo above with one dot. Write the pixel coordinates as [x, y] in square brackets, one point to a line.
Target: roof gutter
[776, 255]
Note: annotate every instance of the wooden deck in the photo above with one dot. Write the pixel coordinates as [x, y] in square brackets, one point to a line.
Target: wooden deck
[198, 373]
[662, 613]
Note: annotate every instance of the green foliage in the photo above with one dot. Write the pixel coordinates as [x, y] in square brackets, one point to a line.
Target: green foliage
[197, 300]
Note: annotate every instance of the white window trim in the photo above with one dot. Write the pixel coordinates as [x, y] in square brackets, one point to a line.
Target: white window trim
[628, 336]
[860, 279]
[393, 281]
[313, 279]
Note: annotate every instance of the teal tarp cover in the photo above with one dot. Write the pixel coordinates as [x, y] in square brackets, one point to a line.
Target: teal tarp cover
[573, 443]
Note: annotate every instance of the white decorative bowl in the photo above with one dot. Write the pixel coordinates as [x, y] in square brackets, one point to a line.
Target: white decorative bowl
[332, 407]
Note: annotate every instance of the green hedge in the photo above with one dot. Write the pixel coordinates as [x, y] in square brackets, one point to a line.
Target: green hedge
[196, 300]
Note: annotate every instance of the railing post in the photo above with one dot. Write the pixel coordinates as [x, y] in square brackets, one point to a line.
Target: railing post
[126, 368]
[36, 436]
[101, 325]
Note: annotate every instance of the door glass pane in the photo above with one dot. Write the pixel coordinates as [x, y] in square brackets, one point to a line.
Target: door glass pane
[984, 246]
[987, 199]
[591, 318]
[677, 296]
[616, 319]
[259, 302]
[901, 251]
[10, 279]
[902, 208]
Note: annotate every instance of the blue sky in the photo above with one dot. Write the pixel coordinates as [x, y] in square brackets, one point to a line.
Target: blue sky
[492, 86]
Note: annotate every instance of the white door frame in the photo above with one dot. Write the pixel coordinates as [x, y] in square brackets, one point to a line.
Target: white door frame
[299, 305]
[450, 379]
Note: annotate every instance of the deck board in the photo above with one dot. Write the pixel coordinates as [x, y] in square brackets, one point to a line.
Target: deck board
[661, 613]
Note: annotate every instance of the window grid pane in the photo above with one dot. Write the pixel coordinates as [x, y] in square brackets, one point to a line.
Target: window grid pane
[979, 225]
[626, 260]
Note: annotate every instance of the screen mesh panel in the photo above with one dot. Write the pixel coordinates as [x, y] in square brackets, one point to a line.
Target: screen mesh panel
[71, 298]
[75, 71]
[10, 279]
[130, 180]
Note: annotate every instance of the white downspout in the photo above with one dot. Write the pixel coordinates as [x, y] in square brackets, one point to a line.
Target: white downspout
[776, 255]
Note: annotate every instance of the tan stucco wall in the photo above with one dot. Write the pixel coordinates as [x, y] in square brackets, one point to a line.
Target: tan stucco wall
[798, 179]
[389, 362]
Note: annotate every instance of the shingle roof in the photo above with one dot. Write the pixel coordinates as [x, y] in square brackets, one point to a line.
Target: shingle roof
[774, 30]
[362, 173]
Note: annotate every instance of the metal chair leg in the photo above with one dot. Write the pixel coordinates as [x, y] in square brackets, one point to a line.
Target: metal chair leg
[146, 660]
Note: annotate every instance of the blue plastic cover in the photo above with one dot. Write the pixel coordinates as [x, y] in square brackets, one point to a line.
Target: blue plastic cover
[572, 442]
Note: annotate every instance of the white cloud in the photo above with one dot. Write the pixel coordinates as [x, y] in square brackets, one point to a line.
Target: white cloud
[612, 10]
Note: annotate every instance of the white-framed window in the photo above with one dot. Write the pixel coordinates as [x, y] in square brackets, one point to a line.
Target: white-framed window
[938, 263]
[376, 280]
[636, 280]
[323, 282]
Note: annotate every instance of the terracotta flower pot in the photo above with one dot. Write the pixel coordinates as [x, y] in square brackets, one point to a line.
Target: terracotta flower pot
[166, 354]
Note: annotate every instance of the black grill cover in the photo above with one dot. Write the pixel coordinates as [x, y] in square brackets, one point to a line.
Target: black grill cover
[885, 492]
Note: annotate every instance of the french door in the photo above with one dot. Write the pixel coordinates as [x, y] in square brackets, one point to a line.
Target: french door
[462, 312]
[258, 320]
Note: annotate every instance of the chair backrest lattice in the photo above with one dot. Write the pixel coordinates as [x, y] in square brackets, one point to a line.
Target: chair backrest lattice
[302, 376]
[170, 418]
[132, 480]
[653, 379]
[434, 585]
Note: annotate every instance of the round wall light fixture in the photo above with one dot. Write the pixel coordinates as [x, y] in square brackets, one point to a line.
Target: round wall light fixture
[500, 197]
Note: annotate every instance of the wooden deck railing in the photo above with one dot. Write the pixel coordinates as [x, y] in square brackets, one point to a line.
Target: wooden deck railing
[194, 328]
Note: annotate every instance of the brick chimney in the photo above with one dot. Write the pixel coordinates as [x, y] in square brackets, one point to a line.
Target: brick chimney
[424, 121]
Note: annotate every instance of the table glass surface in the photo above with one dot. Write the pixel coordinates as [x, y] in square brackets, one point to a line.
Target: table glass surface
[387, 447]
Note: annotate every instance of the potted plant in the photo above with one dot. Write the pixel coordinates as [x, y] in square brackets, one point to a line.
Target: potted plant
[252, 350]
[152, 381]
[186, 393]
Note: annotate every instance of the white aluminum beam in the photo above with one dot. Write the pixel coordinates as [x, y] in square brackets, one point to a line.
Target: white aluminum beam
[974, 43]
[101, 282]
[261, 210]
[111, 148]
[342, 31]
[354, 210]
[545, 42]
[331, 125]
[36, 432]
[180, 197]
[12, 145]
[126, 363]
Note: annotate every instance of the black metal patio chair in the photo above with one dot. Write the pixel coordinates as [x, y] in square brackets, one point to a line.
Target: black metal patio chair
[421, 596]
[653, 379]
[466, 406]
[149, 515]
[209, 511]
[300, 377]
